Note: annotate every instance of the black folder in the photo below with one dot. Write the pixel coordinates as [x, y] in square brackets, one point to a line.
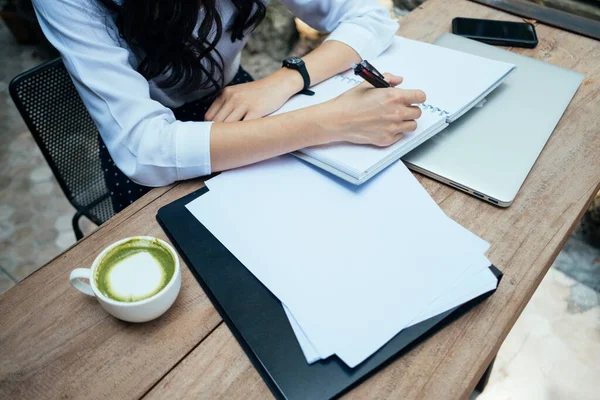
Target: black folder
[258, 322]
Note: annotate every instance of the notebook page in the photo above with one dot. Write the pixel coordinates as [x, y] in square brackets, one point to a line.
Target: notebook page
[309, 251]
[324, 91]
[451, 79]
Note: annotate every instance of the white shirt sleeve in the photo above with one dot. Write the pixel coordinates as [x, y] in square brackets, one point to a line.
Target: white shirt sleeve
[143, 137]
[145, 140]
[364, 25]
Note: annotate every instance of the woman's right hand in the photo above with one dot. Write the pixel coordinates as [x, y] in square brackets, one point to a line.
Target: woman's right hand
[362, 115]
[368, 115]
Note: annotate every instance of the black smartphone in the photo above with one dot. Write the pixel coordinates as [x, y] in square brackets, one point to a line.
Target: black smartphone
[503, 33]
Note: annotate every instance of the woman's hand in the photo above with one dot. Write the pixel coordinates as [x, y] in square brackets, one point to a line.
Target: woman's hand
[361, 115]
[256, 99]
[367, 115]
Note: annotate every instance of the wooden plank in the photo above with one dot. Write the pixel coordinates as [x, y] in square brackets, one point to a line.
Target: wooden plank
[218, 368]
[525, 241]
[56, 342]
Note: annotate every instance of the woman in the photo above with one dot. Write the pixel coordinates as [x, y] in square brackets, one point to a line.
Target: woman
[149, 70]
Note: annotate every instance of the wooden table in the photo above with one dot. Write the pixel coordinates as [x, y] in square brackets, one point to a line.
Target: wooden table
[55, 342]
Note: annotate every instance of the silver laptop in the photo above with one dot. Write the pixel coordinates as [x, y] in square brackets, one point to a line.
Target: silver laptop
[489, 151]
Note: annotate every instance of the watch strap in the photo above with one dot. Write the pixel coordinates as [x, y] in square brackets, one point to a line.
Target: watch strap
[301, 68]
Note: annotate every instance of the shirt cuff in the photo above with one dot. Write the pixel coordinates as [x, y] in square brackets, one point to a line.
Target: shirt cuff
[360, 39]
[192, 144]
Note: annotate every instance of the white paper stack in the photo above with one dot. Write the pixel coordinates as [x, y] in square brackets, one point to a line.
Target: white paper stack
[352, 266]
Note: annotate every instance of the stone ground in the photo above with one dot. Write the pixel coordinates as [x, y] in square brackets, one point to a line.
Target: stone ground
[552, 352]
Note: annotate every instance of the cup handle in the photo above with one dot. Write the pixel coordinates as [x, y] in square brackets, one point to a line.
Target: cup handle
[76, 280]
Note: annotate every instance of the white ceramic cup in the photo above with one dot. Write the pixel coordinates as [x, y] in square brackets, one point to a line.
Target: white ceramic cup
[138, 311]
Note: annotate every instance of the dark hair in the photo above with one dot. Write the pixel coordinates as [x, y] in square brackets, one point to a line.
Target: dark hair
[161, 33]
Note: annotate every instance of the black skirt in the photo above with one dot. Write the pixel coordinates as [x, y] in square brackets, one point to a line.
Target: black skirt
[123, 191]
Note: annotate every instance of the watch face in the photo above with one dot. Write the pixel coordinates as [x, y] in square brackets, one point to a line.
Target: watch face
[293, 60]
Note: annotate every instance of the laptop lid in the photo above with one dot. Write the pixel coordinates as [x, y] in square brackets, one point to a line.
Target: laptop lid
[489, 151]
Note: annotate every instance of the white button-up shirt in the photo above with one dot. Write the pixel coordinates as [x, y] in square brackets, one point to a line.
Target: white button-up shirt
[142, 135]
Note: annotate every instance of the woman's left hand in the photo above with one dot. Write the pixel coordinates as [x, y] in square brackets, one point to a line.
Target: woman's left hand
[256, 99]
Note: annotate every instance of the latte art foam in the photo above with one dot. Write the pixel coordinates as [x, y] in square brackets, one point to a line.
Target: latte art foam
[135, 270]
[135, 278]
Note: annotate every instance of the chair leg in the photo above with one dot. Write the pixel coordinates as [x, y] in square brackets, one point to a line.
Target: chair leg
[76, 228]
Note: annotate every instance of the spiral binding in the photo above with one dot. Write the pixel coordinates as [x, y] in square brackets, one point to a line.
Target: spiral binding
[346, 79]
[434, 109]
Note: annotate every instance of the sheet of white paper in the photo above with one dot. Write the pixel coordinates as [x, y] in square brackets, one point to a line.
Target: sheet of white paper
[311, 354]
[474, 282]
[349, 262]
[308, 349]
[253, 185]
[476, 262]
[483, 282]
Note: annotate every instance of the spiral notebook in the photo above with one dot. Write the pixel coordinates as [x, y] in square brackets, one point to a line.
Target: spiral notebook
[454, 82]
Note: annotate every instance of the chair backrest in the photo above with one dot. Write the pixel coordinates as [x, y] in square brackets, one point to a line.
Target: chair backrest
[66, 134]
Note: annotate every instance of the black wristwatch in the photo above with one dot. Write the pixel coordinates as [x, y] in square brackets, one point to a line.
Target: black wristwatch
[297, 64]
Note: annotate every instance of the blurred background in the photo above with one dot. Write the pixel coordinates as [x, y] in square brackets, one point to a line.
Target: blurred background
[553, 352]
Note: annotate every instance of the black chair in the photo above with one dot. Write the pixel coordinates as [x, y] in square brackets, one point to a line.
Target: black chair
[67, 136]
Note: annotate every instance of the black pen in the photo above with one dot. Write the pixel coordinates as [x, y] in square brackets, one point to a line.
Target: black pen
[370, 74]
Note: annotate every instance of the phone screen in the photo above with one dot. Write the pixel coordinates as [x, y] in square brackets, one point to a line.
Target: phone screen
[501, 30]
